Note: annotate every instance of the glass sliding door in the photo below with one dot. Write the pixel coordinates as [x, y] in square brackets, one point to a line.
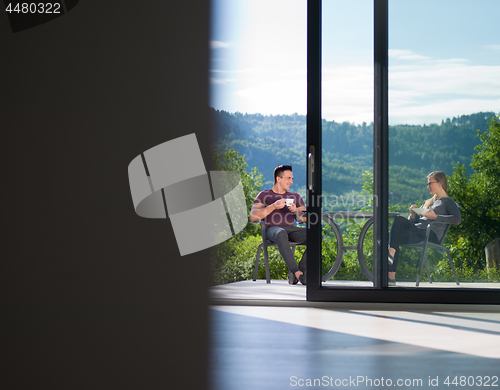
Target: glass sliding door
[340, 142]
[443, 71]
[347, 143]
[357, 181]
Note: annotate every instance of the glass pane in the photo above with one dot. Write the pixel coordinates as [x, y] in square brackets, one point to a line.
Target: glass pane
[443, 88]
[258, 107]
[347, 136]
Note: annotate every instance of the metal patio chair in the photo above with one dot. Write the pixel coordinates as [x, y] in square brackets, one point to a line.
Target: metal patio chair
[424, 245]
[263, 246]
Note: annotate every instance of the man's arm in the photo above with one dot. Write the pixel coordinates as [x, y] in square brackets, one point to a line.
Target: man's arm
[300, 215]
[298, 212]
[259, 211]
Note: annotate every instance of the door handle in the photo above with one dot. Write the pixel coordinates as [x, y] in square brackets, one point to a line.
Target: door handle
[310, 168]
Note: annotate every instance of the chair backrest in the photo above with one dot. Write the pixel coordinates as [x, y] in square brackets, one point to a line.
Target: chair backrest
[263, 230]
[445, 232]
[431, 243]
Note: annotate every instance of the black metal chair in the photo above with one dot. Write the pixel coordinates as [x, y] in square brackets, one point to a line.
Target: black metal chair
[423, 245]
[263, 246]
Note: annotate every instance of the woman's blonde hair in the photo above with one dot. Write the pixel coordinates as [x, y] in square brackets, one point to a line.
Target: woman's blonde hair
[440, 177]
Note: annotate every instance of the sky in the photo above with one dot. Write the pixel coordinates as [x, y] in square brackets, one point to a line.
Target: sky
[444, 58]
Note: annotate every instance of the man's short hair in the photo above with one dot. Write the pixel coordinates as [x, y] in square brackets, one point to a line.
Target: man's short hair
[278, 171]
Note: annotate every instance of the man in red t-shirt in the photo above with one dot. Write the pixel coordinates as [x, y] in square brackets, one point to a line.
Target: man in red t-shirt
[279, 208]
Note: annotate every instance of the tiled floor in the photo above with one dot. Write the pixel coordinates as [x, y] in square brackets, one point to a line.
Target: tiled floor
[266, 336]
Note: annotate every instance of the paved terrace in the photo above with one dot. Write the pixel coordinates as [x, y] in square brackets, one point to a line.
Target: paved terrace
[280, 293]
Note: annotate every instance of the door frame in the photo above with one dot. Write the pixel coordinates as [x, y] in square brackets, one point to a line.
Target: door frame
[380, 292]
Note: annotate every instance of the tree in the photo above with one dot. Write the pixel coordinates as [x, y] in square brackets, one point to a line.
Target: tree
[230, 261]
[231, 160]
[479, 198]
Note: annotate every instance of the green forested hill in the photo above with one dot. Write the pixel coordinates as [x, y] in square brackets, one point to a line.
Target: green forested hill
[414, 151]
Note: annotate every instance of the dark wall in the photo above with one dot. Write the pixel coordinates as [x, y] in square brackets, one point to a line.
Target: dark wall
[93, 296]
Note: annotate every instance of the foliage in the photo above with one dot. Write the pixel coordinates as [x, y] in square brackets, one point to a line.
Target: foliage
[230, 261]
[479, 198]
[266, 142]
[233, 260]
[233, 161]
[277, 267]
[440, 270]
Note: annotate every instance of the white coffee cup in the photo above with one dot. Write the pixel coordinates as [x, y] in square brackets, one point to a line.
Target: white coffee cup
[289, 202]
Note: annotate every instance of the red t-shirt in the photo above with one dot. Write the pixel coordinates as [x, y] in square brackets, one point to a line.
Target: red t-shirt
[279, 217]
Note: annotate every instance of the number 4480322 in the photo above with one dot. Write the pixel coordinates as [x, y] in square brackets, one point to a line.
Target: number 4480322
[33, 8]
[471, 381]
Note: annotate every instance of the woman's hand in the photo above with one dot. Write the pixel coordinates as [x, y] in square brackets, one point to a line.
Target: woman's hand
[430, 214]
[412, 213]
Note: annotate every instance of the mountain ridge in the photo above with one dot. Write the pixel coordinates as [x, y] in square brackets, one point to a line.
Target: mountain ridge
[414, 150]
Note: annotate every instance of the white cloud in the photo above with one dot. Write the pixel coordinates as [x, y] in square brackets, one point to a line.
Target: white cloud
[435, 112]
[426, 91]
[347, 94]
[492, 47]
[405, 55]
[421, 89]
[439, 79]
[231, 76]
[219, 45]
[214, 80]
[241, 71]
[271, 92]
[434, 90]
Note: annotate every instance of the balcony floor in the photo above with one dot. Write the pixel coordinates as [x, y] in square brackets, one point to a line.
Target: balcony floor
[280, 293]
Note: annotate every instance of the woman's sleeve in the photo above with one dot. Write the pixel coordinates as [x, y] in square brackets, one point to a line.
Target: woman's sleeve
[452, 213]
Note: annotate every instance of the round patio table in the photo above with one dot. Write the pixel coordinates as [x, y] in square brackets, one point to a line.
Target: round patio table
[330, 217]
